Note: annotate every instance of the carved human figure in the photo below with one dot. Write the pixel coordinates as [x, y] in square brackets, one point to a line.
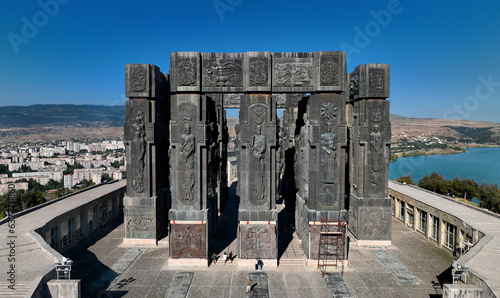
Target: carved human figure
[328, 142]
[138, 151]
[258, 147]
[376, 139]
[187, 146]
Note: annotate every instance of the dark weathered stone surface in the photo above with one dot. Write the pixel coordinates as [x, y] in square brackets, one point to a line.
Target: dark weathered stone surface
[222, 72]
[257, 71]
[370, 147]
[293, 72]
[260, 286]
[179, 287]
[370, 81]
[336, 285]
[144, 136]
[185, 71]
[258, 241]
[330, 69]
[399, 271]
[188, 241]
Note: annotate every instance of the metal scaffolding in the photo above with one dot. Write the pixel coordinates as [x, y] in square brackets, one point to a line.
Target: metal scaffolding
[332, 243]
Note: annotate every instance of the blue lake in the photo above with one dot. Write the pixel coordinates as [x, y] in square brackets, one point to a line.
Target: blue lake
[482, 164]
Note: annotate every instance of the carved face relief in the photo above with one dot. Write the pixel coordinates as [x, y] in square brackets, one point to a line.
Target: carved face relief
[329, 72]
[187, 73]
[258, 72]
[354, 84]
[376, 116]
[227, 74]
[138, 79]
[376, 80]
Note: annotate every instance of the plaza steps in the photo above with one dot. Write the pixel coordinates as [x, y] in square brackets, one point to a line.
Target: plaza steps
[21, 290]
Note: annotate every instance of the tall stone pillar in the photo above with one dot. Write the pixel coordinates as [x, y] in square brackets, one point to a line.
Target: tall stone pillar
[145, 202]
[193, 150]
[257, 184]
[191, 212]
[369, 204]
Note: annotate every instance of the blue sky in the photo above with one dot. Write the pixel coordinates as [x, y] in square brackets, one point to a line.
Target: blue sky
[444, 55]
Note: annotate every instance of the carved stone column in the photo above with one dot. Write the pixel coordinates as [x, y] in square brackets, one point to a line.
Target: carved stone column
[369, 204]
[257, 185]
[145, 201]
[189, 153]
[193, 134]
[321, 147]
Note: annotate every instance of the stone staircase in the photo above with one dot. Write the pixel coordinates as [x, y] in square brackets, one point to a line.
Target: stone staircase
[293, 255]
[221, 247]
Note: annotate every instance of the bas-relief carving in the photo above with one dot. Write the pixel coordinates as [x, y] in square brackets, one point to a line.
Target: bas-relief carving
[233, 99]
[328, 142]
[258, 241]
[188, 241]
[376, 80]
[143, 224]
[373, 223]
[138, 78]
[225, 74]
[187, 151]
[237, 152]
[375, 153]
[354, 84]
[291, 74]
[258, 72]
[295, 98]
[258, 151]
[329, 72]
[187, 73]
[280, 99]
[302, 159]
[138, 151]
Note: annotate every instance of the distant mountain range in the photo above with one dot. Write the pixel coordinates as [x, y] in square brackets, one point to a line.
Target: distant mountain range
[63, 115]
[67, 115]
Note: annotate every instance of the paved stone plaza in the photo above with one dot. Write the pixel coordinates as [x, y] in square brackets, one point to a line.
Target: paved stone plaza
[366, 276]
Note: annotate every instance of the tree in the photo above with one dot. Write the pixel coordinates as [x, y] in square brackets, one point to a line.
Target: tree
[489, 196]
[406, 179]
[70, 170]
[106, 178]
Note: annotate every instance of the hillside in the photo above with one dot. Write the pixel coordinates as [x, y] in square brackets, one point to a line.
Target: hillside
[458, 131]
[20, 124]
[61, 115]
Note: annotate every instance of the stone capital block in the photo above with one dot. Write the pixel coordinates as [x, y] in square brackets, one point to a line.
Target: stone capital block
[185, 70]
[145, 81]
[140, 217]
[222, 72]
[287, 100]
[257, 71]
[258, 241]
[293, 72]
[330, 71]
[370, 81]
[370, 219]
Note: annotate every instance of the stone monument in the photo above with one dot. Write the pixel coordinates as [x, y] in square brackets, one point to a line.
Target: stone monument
[329, 153]
[146, 141]
[369, 204]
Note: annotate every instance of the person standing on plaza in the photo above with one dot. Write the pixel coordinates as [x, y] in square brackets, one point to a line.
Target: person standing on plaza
[214, 258]
[224, 258]
[230, 256]
[249, 286]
